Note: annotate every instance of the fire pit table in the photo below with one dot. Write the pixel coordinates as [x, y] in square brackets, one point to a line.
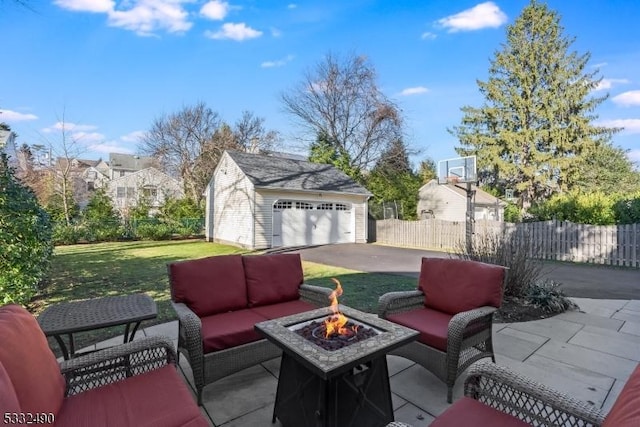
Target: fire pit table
[343, 382]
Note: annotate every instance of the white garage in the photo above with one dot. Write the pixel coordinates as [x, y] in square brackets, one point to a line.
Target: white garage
[267, 201]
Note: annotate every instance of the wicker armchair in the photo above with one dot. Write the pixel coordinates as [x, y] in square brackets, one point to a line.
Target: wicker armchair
[453, 311]
[495, 395]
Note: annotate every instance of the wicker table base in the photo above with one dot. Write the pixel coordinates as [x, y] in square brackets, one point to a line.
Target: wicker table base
[78, 316]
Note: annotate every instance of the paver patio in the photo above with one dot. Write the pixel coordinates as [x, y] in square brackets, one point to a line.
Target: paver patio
[588, 355]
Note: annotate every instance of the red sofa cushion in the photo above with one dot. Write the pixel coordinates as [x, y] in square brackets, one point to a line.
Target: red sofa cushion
[433, 325]
[626, 410]
[454, 285]
[29, 362]
[272, 278]
[156, 398]
[209, 285]
[226, 330]
[8, 398]
[467, 411]
[282, 309]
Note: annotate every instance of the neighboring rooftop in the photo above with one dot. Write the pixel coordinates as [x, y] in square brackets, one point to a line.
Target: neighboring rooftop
[270, 171]
[130, 161]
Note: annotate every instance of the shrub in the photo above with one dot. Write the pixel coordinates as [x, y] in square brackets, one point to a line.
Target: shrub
[548, 297]
[151, 231]
[512, 213]
[627, 210]
[515, 250]
[25, 239]
[583, 208]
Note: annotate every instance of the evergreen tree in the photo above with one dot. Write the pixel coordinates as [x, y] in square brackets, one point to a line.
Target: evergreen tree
[537, 120]
[323, 150]
[100, 209]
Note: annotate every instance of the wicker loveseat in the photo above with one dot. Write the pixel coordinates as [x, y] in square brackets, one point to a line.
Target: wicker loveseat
[135, 384]
[219, 299]
[453, 311]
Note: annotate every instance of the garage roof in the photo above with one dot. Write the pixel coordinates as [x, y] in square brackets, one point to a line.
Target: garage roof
[266, 171]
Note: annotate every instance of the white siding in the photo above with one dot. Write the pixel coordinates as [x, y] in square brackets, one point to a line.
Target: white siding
[265, 199]
[233, 219]
[437, 201]
[159, 185]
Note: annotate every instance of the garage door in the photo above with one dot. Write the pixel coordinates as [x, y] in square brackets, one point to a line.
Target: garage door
[304, 223]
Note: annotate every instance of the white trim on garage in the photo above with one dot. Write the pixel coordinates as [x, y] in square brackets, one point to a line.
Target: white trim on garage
[312, 222]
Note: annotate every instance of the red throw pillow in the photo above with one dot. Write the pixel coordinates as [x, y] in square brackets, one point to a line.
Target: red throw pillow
[272, 278]
[453, 285]
[209, 285]
[29, 362]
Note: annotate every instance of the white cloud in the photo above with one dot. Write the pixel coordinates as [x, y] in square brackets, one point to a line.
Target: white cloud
[292, 6]
[14, 116]
[634, 155]
[149, 16]
[428, 36]
[278, 63]
[68, 127]
[609, 83]
[87, 138]
[631, 126]
[483, 15]
[134, 136]
[414, 91]
[237, 32]
[216, 10]
[110, 147]
[627, 99]
[95, 6]
[599, 65]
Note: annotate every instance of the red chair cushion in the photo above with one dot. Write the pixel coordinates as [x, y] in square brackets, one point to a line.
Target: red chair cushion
[272, 278]
[209, 285]
[467, 411]
[282, 309]
[626, 410]
[156, 398]
[454, 286]
[226, 330]
[29, 362]
[8, 398]
[433, 325]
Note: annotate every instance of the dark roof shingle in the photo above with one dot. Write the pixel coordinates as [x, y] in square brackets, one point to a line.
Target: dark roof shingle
[266, 171]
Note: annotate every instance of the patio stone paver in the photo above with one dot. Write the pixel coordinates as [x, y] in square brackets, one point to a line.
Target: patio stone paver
[608, 342]
[551, 377]
[516, 344]
[627, 315]
[602, 363]
[553, 328]
[412, 415]
[632, 328]
[633, 305]
[591, 319]
[575, 373]
[600, 307]
[613, 395]
[239, 394]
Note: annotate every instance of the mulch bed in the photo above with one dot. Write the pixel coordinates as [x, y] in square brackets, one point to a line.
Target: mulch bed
[519, 310]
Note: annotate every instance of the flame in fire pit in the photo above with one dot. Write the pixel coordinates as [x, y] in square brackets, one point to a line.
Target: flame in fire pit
[335, 324]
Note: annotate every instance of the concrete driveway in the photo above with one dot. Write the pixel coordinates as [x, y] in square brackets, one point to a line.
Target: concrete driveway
[579, 280]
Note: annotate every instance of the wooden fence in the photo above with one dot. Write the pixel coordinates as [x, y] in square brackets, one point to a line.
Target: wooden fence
[556, 240]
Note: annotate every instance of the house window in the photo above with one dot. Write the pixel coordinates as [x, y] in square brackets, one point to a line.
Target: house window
[283, 204]
[120, 192]
[91, 186]
[342, 207]
[325, 206]
[121, 173]
[304, 205]
[150, 193]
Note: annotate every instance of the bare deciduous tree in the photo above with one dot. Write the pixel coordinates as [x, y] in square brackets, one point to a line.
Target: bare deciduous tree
[178, 140]
[340, 98]
[251, 134]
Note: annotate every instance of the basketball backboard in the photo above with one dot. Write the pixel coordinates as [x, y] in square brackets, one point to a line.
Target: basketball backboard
[457, 170]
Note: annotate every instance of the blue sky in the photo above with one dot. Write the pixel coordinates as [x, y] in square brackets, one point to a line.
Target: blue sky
[107, 68]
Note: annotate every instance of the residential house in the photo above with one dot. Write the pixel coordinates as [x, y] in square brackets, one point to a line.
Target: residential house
[266, 201]
[124, 164]
[155, 186]
[449, 202]
[8, 146]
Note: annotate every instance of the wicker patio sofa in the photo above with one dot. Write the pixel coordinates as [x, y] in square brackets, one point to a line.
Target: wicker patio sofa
[219, 299]
[134, 384]
[453, 311]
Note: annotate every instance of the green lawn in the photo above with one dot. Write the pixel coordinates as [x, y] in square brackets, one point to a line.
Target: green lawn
[95, 270]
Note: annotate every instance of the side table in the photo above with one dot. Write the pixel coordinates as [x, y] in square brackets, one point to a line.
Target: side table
[68, 318]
